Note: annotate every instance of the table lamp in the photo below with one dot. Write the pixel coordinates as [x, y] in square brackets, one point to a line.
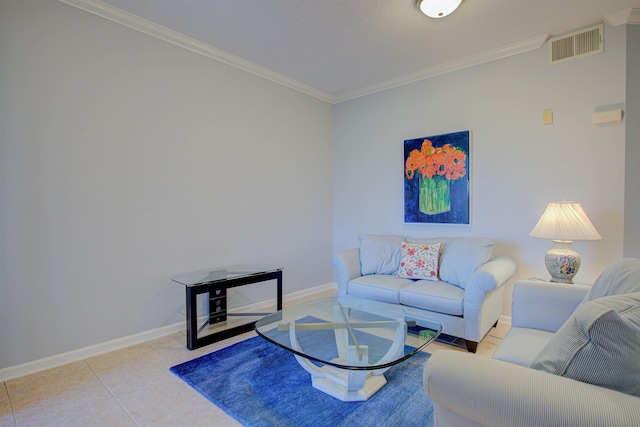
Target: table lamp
[564, 222]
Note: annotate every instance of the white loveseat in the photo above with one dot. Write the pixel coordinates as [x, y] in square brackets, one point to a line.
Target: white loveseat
[464, 293]
[571, 358]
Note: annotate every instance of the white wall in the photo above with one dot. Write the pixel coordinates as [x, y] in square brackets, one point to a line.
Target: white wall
[632, 154]
[518, 163]
[126, 160]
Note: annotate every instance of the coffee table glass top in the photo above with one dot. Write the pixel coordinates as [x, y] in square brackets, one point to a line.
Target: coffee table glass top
[377, 335]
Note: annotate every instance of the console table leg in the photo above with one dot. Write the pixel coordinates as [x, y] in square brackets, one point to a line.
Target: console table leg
[192, 320]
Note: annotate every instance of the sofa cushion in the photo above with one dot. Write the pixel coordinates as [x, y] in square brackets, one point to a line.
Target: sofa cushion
[598, 344]
[623, 277]
[434, 296]
[379, 254]
[461, 258]
[419, 261]
[378, 287]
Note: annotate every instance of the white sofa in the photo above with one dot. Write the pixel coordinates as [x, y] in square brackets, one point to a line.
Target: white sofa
[571, 358]
[465, 295]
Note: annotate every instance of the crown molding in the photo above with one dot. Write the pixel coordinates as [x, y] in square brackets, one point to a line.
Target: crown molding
[128, 20]
[470, 61]
[628, 16]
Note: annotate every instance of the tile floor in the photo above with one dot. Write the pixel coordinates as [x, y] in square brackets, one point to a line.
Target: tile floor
[132, 387]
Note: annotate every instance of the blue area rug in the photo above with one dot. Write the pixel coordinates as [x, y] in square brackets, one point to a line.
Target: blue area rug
[260, 384]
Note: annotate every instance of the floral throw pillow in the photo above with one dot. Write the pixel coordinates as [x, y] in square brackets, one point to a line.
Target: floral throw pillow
[419, 261]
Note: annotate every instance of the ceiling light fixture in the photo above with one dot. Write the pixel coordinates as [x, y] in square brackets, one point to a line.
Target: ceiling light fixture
[437, 8]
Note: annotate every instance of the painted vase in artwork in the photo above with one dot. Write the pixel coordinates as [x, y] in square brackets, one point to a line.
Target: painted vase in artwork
[435, 195]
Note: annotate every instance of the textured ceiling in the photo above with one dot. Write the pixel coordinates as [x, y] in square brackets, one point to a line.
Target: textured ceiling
[342, 46]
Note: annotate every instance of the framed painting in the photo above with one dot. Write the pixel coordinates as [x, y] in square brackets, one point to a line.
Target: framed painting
[436, 179]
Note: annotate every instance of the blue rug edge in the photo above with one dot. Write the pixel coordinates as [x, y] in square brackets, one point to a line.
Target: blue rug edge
[182, 372]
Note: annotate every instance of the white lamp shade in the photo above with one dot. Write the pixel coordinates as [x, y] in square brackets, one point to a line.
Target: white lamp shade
[565, 221]
[438, 8]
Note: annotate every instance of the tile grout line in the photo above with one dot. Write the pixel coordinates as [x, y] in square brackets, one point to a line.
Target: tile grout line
[13, 414]
[111, 393]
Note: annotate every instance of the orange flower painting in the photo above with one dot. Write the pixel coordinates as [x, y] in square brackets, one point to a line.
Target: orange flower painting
[436, 179]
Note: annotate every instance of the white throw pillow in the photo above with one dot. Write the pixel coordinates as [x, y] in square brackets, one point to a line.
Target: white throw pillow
[598, 344]
[419, 261]
[462, 257]
[379, 254]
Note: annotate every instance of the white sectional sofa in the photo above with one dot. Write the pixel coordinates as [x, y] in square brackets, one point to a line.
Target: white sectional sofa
[571, 358]
[455, 281]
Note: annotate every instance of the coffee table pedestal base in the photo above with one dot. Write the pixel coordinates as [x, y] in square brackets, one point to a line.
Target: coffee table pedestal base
[355, 391]
[347, 385]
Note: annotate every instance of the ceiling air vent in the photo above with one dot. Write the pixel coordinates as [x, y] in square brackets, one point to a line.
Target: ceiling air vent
[576, 45]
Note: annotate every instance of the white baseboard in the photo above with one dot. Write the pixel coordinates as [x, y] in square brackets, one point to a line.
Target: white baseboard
[23, 369]
[506, 320]
[86, 352]
[307, 292]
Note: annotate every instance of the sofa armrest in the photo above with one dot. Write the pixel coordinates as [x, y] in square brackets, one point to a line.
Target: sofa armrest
[490, 392]
[544, 305]
[490, 275]
[347, 266]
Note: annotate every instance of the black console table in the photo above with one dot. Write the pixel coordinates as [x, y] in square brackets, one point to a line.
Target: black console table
[227, 301]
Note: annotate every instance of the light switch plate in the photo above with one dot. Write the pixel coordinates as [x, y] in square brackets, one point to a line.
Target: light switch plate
[547, 117]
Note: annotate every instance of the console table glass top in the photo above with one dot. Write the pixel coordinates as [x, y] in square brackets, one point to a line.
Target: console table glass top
[202, 277]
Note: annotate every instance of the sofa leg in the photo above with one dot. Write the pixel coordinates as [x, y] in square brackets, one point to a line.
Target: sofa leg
[472, 346]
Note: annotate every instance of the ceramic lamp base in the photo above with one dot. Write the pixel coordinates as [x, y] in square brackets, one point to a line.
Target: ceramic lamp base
[562, 261]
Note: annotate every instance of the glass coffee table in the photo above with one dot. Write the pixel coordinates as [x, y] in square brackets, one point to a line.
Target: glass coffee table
[347, 343]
